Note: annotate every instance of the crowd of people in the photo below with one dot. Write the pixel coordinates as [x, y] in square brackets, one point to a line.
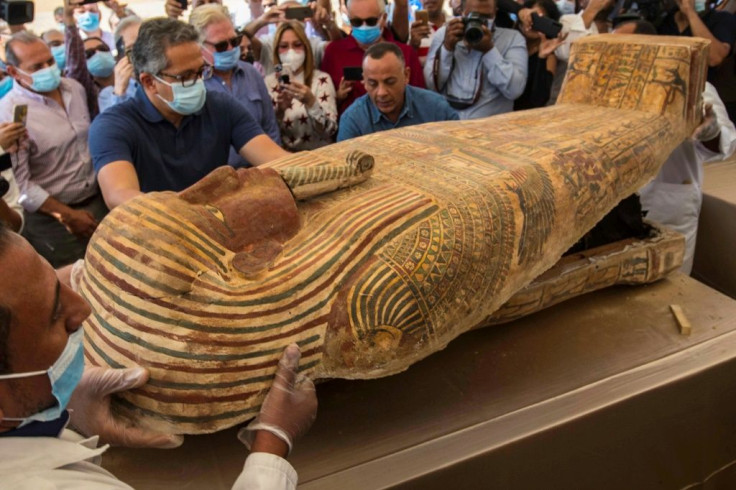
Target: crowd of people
[90, 118]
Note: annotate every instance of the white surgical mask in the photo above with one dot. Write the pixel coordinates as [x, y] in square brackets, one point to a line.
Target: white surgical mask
[292, 59]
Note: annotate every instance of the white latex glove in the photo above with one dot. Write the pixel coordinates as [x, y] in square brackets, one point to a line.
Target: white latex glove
[709, 128]
[90, 414]
[290, 406]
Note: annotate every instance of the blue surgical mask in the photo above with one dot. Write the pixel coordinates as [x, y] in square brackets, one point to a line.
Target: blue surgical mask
[187, 100]
[700, 6]
[366, 34]
[46, 79]
[101, 64]
[566, 7]
[5, 86]
[64, 375]
[59, 54]
[227, 60]
[88, 21]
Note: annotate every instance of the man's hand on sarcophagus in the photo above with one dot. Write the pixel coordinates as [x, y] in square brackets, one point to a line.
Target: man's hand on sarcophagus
[90, 414]
[289, 408]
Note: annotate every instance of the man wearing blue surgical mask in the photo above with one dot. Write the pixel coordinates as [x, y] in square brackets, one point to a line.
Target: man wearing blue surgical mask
[368, 21]
[479, 68]
[42, 373]
[221, 50]
[88, 19]
[59, 194]
[55, 41]
[173, 132]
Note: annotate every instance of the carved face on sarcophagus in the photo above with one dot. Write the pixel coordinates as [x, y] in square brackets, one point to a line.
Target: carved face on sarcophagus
[205, 288]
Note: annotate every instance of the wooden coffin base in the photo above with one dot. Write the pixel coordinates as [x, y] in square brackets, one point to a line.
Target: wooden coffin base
[630, 261]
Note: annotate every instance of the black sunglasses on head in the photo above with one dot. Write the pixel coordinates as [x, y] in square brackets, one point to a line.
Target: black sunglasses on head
[88, 53]
[370, 21]
[223, 46]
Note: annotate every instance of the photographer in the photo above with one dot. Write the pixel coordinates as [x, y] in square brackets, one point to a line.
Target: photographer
[479, 68]
[693, 18]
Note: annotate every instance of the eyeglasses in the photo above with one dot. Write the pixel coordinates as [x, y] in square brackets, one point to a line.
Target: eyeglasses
[88, 53]
[370, 21]
[189, 78]
[223, 46]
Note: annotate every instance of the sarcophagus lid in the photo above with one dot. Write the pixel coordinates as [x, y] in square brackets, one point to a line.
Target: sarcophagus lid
[205, 288]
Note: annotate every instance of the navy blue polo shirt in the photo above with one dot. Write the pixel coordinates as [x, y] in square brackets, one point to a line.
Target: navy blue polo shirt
[420, 106]
[167, 158]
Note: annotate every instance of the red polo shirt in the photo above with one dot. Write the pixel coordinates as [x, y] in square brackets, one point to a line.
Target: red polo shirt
[346, 52]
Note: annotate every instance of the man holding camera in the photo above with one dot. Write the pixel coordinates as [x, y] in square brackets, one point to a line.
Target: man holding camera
[479, 68]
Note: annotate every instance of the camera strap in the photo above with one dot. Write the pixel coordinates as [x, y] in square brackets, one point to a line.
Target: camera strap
[5, 162]
[455, 102]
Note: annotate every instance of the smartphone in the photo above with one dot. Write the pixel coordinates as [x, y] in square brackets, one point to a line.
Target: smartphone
[422, 16]
[184, 4]
[352, 73]
[20, 113]
[298, 13]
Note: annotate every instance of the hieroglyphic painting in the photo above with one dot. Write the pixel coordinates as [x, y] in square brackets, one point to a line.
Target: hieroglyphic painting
[208, 286]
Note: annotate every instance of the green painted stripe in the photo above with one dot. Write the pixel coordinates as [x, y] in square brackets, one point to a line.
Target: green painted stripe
[181, 237]
[212, 386]
[159, 286]
[244, 330]
[108, 360]
[347, 223]
[209, 241]
[315, 275]
[130, 338]
[184, 419]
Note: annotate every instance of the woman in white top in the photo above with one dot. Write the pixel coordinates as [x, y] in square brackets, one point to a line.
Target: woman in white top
[305, 106]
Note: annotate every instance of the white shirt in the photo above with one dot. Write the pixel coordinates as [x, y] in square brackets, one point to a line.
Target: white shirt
[674, 197]
[71, 462]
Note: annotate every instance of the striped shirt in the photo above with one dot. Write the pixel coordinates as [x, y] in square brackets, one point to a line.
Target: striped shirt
[56, 162]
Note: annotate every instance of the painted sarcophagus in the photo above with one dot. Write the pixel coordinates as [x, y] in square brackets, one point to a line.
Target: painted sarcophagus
[206, 287]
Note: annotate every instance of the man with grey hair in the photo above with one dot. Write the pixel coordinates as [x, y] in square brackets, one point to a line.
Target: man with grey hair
[125, 84]
[61, 201]
[221, 49]
[173, 132]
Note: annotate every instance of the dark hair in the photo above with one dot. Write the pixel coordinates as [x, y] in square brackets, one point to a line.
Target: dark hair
[549, 6]
[378, 51]
[23, 37]
[5, 316]
[59, 11]
[155, 37]
[641, 27]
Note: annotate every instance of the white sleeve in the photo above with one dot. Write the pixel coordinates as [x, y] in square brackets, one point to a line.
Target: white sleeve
[13, 195]
[727, 143]
[573, 25]
[267, 472]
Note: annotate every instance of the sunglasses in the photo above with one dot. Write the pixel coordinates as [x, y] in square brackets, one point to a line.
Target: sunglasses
[88, 53]
[370, 21]
[223, 46]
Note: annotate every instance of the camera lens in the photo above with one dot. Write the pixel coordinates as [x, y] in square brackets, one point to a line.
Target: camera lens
[474, 23]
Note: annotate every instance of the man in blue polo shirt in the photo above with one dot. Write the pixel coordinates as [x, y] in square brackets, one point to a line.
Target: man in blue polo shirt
[173, 132]
[390, 102]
